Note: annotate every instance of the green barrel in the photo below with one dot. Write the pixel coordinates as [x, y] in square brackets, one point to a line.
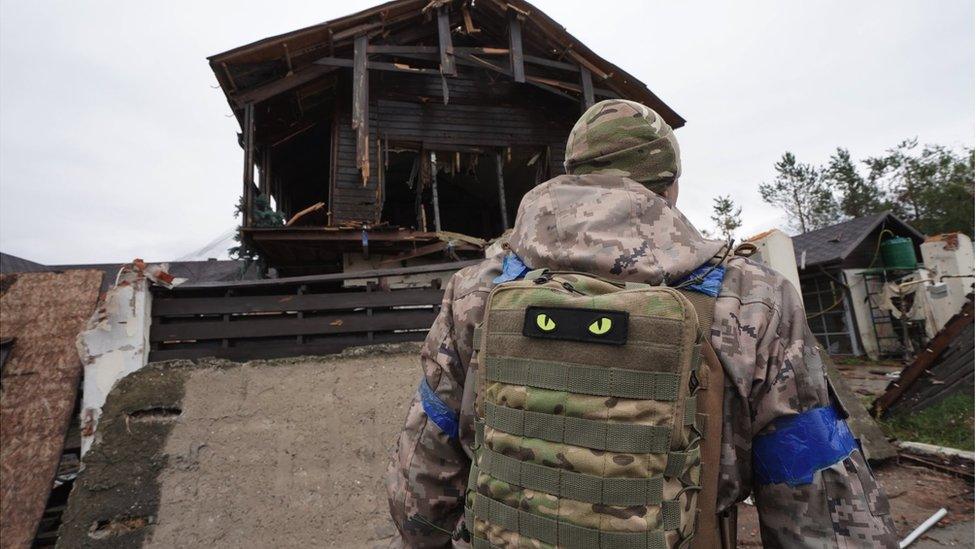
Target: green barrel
[898, 253]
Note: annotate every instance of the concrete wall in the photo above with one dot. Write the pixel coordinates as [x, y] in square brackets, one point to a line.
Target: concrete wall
[284, 453]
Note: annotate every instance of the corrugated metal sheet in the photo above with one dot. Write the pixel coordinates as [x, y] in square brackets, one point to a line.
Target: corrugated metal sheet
[43, 312]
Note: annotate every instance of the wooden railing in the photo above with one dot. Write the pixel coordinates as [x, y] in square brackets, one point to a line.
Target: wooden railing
[310, 315]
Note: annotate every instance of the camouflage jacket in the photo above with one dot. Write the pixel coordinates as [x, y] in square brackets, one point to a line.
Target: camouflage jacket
[614, 228]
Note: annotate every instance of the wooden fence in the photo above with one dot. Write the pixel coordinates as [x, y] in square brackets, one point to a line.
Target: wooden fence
[310, 315]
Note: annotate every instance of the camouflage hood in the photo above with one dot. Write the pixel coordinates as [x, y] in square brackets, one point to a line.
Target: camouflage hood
[609, 226]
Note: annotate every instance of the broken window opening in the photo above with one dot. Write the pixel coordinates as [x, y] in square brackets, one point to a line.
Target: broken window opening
[470, 197]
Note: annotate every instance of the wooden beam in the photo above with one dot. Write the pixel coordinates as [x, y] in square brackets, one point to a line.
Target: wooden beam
[472, 60]
[433, 192]
[360, 106]
[542, 61]
[290, 82]
[469, 27]
[393, 50]
[501, 190]
[515, 47]
[583, 62]
[266, 171]
[586, 81]
[248, 165]
[375, 65]
[444, 41]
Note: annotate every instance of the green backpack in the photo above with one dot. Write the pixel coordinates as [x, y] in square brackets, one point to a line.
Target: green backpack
[586, 431]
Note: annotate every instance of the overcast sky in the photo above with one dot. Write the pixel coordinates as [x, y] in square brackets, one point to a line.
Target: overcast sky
[115, 142]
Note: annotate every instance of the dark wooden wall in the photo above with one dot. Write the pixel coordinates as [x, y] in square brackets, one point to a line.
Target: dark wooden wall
[481, 113]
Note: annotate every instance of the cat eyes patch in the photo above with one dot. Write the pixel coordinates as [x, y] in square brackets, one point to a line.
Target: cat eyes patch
[586, 325]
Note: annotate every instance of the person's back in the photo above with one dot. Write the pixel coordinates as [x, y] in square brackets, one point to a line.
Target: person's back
[613, 216]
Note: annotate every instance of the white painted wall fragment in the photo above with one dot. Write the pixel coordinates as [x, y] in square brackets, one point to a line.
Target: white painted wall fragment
[115, 341]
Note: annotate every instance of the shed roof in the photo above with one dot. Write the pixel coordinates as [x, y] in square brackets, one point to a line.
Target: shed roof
[268, 63]
[12, 264]
[835, 243]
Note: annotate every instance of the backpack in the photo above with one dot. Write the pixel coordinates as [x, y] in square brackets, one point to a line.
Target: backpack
[593, 415]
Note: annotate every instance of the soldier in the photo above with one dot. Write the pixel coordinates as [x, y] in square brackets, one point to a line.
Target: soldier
[613, 215]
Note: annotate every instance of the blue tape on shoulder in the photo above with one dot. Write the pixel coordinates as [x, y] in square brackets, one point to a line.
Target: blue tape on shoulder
[800, 446]
[438, 412]
[512, 269]
[707, 279]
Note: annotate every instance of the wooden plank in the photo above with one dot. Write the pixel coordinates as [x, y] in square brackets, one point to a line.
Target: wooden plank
[586, 81]
[924, 360]
[542, 61]
[407, 319]
[360, 106]
[376, 65]
[393, 50]
[515, 47]
[282, 85]
[444, 41]
[266, 351]
[499, 172]
[248, 193]
[335, 277]
[173, 306]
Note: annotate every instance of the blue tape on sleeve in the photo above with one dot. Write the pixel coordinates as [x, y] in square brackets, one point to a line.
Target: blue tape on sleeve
[438, 412]
[512, 269]
[707, 279]
[800, 446]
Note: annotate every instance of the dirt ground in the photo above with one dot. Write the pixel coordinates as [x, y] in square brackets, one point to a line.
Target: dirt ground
[293, 452]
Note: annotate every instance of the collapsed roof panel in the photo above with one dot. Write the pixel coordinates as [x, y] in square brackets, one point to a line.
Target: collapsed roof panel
[43, 314]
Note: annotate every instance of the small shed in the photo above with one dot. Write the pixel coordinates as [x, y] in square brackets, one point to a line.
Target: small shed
[407, 130]
[842, 277]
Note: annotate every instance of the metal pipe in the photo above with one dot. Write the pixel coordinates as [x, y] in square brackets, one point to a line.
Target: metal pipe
[916, 533]
[433, 190]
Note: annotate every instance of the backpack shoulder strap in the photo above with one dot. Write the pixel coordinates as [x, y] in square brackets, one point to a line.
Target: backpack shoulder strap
[711, 530]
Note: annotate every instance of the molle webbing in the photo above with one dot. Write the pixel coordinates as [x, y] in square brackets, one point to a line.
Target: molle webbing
[563, 483]
[589, 380]
[598, 435]
[565, 534]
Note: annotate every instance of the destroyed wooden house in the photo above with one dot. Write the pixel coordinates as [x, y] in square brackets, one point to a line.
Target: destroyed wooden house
[409, 130]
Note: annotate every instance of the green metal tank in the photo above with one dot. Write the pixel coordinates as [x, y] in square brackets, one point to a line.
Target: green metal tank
[898, 253]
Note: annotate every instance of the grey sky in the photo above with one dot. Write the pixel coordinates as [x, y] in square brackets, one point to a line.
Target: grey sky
[115, 142]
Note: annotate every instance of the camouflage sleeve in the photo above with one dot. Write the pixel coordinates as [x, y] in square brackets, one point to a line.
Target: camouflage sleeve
[428, 470]
[842, 506]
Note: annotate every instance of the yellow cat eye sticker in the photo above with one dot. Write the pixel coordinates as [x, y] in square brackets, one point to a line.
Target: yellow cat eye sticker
[601, 326]
[545, 323]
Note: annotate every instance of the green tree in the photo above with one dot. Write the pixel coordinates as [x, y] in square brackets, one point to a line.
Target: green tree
[263, 216]
[931, 186]
[857, 195]
[800, 191]
[726, 215]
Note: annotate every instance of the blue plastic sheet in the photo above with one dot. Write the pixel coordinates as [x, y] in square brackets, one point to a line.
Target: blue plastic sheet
[438, 412]
[800, 446]
[512, 269]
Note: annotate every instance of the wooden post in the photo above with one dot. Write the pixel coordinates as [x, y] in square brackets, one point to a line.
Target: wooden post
[248, 164]
[444, 40]
[265, 180]
[586, 82]
[501, 190]
[515, 46]
[433, 191]
[360, 105]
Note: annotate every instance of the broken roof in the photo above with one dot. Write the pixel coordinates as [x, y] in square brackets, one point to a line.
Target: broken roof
[835, 243]
[43, 313]
[286, 62]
